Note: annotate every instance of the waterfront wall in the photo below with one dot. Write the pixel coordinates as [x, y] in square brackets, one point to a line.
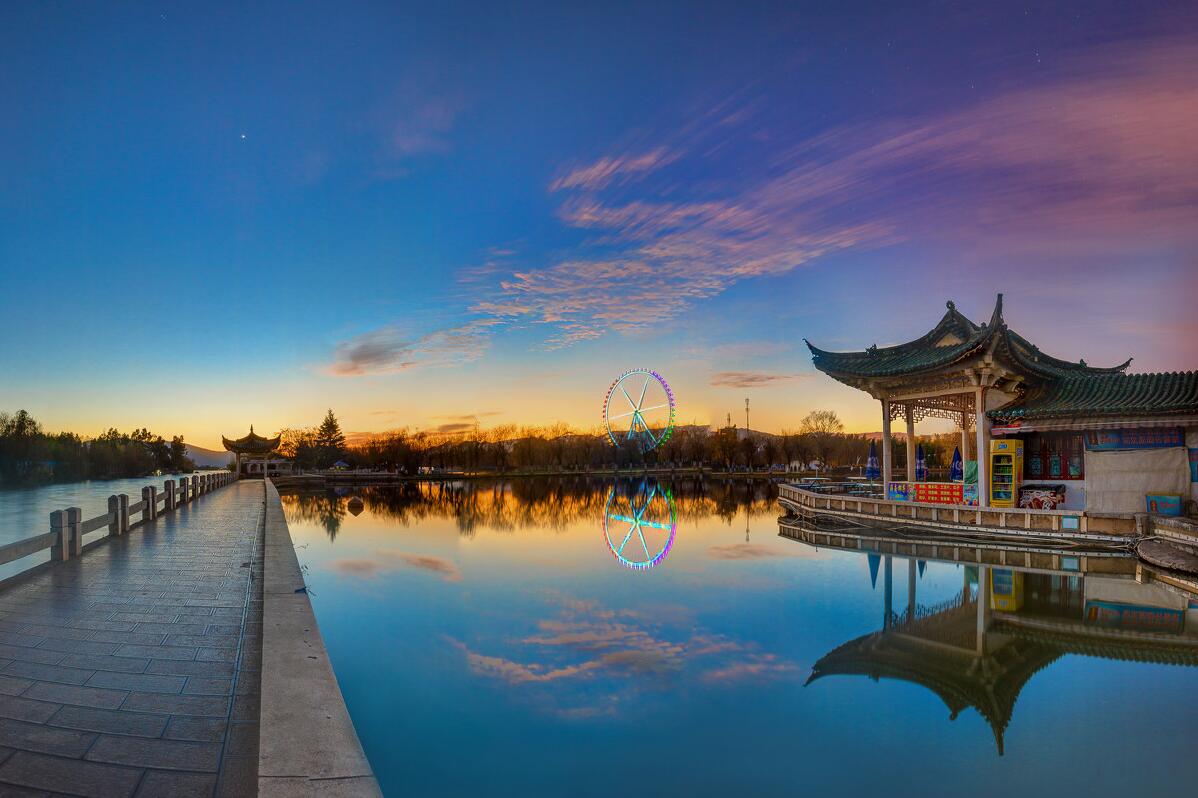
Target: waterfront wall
[308, 745]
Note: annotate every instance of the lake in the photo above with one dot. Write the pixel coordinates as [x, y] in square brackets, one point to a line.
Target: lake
[589, 638]
[25, 512]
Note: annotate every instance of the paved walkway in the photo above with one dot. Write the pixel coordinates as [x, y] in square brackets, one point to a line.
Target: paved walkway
[134, 670]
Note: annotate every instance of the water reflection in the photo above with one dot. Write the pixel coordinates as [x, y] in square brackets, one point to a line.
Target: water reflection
[979, 647]
[491, 616]
[526, 503]
[644, 510]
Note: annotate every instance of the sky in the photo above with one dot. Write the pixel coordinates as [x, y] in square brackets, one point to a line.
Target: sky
[429, 215]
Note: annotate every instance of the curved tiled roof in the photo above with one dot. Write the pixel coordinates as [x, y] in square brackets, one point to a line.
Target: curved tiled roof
[1109, 394]
[252, 444]
[926, 354]
[953, 676]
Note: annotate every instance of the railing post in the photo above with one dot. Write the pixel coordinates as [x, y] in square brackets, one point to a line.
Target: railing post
[195, 486]
[147, 498]
[75, 527]
[183, 483]
[114, 515]
[168, 490]
[61, 548]
[123, 513]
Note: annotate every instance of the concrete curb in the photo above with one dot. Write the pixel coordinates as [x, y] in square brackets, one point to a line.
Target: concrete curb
[307, 745]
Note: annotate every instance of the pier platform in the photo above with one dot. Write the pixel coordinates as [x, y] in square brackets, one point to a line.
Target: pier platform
[134, 669]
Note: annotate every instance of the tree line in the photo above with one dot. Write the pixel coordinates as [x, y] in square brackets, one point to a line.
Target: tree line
[819, 442]
[30, 455]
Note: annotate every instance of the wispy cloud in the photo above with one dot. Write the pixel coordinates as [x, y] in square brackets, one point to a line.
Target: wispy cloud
[415, 121]
[618, 168]
[388, 350]
[1106, 148]
[751, 379]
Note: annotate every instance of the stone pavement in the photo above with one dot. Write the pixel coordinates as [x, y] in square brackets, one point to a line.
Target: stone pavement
[134, 669]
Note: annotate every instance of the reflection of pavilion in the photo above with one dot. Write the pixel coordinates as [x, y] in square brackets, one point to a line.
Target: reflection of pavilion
[973, 655]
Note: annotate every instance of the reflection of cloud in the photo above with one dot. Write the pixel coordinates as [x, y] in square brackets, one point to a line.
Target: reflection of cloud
[590, 651]
[437, 565]
[517, 673]
[756, 666]
[750, 379]
[386, 560]
[361, 568]
[747, 551]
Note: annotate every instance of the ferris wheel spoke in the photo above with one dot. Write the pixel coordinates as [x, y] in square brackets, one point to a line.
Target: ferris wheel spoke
[644, 545]
[655, 525]
[626, 537]
[644, 388]
[631, 403]
[649, 432]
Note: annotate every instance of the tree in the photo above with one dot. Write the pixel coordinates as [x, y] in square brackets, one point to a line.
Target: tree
[821, 428]
[330, 440]
[179, 461]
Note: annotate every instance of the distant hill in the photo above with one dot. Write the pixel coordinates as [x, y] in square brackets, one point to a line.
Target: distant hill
[208, 457]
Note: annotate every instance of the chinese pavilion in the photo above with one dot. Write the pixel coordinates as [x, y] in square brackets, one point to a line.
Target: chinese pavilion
[257, 456]
[988, 379]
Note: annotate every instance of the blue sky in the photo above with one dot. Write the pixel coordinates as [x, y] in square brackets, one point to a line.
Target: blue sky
[213, 215]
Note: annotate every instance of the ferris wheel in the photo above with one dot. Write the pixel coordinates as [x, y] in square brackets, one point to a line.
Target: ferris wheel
[640, 522]
[645, 422]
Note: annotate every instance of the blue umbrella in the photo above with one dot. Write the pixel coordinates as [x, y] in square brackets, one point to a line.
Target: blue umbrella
[921, 464]
[872, 470]
[956, 471]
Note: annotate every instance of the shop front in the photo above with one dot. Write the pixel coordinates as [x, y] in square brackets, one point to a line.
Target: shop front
[1037, 432]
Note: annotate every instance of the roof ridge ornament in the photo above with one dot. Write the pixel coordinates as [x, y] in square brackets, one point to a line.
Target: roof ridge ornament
[951, 305]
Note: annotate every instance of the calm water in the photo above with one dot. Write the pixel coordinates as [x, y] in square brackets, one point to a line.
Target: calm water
[488, 641]
[25, 512]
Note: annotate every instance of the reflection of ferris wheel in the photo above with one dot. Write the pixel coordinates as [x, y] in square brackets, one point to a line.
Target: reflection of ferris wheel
[649, 417]
[642, 522]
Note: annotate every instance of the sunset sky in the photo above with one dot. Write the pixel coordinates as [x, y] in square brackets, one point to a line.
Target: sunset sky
[426, 214]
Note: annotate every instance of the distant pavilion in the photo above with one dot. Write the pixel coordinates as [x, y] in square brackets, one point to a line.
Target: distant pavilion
[979, 375]
[257, 456]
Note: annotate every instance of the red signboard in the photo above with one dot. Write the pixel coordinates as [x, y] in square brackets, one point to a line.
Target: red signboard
[939, 492]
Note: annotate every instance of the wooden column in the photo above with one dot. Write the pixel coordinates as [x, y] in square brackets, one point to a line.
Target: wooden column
[964, 437]
[886, 451]
[888, 589]
[911, 578]
[983, 608]
[983, 441]
[910, 414]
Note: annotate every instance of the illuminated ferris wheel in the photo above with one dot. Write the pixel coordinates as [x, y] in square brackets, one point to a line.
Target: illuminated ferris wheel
[639, 410]
[640, 525]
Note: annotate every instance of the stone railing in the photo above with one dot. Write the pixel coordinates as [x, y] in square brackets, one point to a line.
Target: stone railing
[67, 527]
[1008, 520]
